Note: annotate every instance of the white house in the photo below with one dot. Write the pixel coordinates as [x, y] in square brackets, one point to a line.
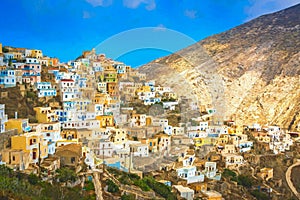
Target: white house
[203, 126]
[102, 147]
[168, 130]
[98, 109]
[170, 105]
[215, 131]
[185, 192]
[1, 60]
[178, 131]
[7, 78]
[3, 118]
[196, 134]
[140, 150]
[102, 87]
[210, 170]
[89, 124]
[190, 174]
[45, 89]
[272, 129]
[51, 133]
[232, 160]
[138, 120]
[32, 61]
[160, 122]
[145, 95]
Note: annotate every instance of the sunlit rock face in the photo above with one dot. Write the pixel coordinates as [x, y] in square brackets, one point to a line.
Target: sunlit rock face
[250, 73]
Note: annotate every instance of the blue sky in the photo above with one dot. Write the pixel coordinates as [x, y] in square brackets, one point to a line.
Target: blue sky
[64, 28]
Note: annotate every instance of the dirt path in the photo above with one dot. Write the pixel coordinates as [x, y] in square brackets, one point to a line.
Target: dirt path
[97, 184]
[289, 181]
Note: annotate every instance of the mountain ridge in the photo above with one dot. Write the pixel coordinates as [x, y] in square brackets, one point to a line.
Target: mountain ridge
[250, 73]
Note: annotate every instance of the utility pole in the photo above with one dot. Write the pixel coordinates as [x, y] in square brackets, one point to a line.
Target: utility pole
[103, 157]
[39, 160]
[130, 159]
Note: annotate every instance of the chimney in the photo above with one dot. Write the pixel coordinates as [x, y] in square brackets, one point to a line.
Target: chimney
[16, 115]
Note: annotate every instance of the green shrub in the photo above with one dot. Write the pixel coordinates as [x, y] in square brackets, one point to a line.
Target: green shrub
[127, 197]
[124, 179]
[245, 181]
[31, 95]
[259, 195]
[66, 174]
[159, 188]
[33, 179]
[112, 187]
[228, 173]
[89, 185]
[133, 176]
[142, 184]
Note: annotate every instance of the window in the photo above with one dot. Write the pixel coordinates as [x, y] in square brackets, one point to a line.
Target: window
[72, 159]
[13, 158]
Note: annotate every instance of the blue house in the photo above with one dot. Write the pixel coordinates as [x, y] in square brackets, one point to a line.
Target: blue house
[7, 78]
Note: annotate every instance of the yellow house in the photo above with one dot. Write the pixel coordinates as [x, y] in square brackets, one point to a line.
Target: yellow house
[152, 144]
[223, 139]
[32, 143]
[119, 136]
[212, 195]
[35, 53]
[266, 173]
[17, 55]
[45, 115]
[170, 95]
[148, 120]
[235, 130]
[22, 125]
[144, 88]
[106, 120]
[14, 158]
[69, 134]
[102, 99]
[164, 141]
[199, 142]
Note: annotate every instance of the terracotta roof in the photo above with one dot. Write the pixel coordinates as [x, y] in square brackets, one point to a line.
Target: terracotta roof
[76, 148]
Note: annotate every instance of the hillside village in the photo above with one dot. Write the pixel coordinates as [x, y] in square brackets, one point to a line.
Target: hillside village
[100, 117]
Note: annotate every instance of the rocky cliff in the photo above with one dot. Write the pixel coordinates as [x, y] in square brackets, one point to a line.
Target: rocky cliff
[250, 73]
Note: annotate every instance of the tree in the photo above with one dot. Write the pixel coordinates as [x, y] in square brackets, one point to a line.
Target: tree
[66, 174]
[245, 181]
[33, 179]
[112, 187]
[160, 188]
[259, 195]
[10, 62]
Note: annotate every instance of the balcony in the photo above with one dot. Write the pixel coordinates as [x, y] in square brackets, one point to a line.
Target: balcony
[32, 146]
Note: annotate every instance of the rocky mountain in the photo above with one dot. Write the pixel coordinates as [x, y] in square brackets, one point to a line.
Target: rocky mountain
[250, 73]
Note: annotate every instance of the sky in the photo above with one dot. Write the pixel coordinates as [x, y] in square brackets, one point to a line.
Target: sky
[131, 31]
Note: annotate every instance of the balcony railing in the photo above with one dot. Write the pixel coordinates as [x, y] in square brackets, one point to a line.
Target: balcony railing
[32, 146]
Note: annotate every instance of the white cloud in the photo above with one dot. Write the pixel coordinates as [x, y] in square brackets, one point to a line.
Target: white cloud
[86, 15]
[150, 4]
[96, 3]
[190, 13]
[261, 7]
